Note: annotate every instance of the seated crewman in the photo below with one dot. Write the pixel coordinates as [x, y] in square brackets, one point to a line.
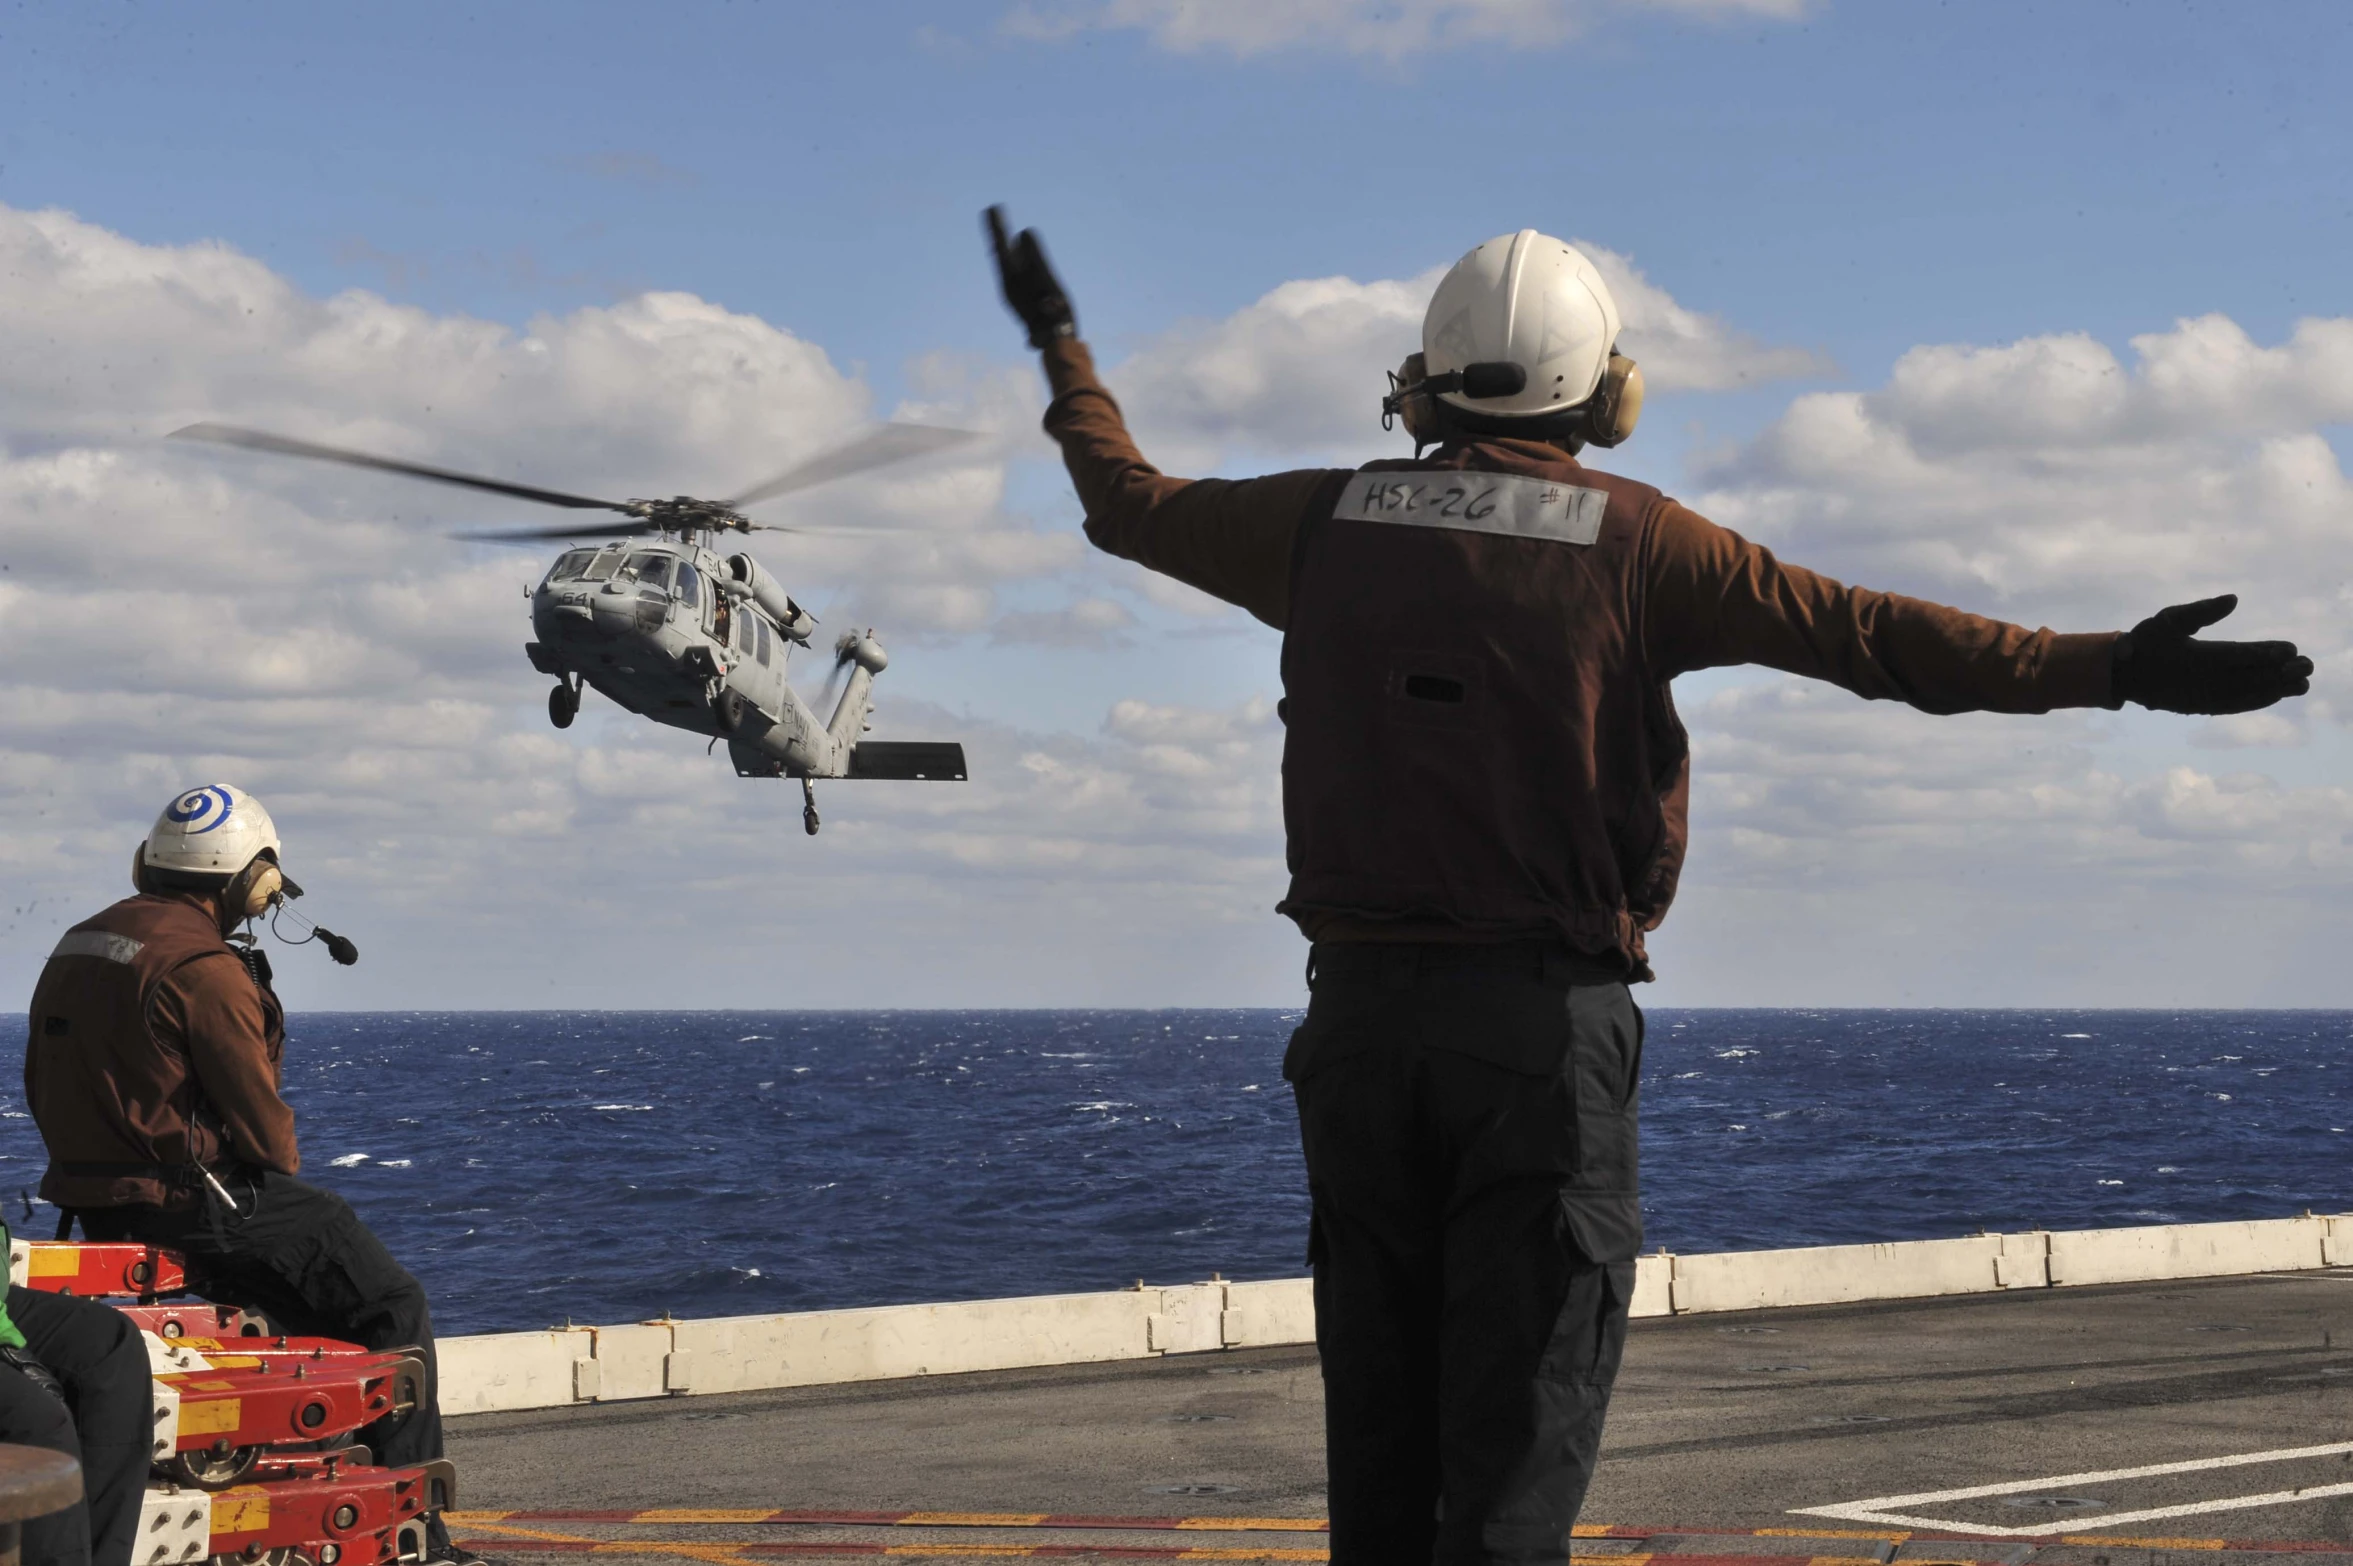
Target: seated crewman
[152, 1069]
[74, 1379]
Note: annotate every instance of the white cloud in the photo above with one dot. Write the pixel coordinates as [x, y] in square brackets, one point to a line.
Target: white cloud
[1389, 29]
[2050, 479]
[1301, 370]
[172, 612]
[168, 614]
[2052, 482]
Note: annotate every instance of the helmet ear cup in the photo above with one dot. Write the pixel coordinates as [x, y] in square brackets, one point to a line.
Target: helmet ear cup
[259, 886]
[1616, 404]
[139, 878]
[1416, 410]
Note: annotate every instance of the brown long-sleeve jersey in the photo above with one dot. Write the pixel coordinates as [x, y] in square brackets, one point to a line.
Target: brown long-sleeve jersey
[151, 1049]
[1714, 599]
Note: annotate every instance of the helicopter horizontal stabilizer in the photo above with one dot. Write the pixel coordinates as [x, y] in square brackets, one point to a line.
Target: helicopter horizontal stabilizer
[913, 761]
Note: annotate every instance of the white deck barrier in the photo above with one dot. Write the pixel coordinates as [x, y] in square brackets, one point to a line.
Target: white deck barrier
[518, 1370]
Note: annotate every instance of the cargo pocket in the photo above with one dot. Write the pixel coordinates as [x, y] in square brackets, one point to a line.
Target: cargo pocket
[1604, 1191]
[1589, 1336]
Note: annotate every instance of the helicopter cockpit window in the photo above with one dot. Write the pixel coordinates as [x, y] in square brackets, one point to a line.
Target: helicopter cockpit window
[765, 643]
[650, 569]
[689, 592]
[603, 566]
[574, 562]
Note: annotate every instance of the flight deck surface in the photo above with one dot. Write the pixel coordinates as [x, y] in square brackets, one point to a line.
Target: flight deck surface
[2165, 1423]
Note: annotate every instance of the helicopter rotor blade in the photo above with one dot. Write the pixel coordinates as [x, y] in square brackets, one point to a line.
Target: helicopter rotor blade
[533, 535]
[843, 532]
[875, 449]
[260, 440]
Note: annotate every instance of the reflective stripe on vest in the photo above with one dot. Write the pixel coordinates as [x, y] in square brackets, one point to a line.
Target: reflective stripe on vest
[98, 943]
[1511, 505]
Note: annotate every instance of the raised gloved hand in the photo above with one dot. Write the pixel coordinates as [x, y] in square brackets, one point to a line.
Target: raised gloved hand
[1030, 285]
[2161, 664]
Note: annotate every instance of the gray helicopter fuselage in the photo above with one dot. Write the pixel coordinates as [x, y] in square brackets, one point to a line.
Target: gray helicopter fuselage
[665, 629]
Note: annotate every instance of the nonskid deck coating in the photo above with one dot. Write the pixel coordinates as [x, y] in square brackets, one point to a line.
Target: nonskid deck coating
[1726, 1430]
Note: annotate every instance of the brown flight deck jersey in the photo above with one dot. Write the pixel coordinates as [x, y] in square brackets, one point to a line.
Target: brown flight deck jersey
[1480, 742]
[151, 1050]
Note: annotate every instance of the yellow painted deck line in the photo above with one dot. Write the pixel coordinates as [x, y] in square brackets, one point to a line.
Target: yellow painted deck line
[726, 1554]
[2147, 1544]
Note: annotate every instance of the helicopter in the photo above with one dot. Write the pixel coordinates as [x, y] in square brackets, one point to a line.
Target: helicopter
[660, 622]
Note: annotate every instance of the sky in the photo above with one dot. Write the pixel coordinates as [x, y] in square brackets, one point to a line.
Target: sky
[2039, 309]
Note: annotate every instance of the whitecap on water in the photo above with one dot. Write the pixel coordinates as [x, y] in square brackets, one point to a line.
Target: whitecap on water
[347, 1160]
[393, 1163]
[621, 1107]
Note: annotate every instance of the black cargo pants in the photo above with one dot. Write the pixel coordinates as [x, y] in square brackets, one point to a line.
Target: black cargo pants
[107, 1421]
[1468, 1116]
[301, 1257]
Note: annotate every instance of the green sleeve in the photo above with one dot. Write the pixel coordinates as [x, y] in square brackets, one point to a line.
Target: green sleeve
[9, 1336]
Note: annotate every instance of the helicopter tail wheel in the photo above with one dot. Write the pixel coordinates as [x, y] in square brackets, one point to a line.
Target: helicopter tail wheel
[563, 705]
[728, 708]
[808, 808]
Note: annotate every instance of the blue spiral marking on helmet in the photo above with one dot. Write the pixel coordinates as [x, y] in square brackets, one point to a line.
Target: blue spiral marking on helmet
[199, 803]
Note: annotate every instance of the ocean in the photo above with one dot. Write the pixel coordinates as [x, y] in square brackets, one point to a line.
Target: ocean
[538, 1167]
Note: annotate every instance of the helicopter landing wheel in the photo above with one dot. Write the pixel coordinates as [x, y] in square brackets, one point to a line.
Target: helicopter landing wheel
[808, 808]
[563, 705]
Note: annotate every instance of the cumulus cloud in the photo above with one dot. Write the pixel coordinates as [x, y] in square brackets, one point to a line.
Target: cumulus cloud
[169, 614]
[2052, 479]
[1885, 855]
[1854, 854]
[1301, 370]
[172, 612]
[1388, 29]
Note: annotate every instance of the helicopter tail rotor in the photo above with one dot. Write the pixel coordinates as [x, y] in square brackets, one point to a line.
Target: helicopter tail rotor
[860, 654]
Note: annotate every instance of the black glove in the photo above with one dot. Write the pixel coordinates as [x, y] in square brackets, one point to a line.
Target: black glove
[1030, 285]
[34, 1371]
[2160, 664]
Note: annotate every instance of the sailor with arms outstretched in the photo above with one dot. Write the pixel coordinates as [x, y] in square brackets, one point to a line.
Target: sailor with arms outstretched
[1485, 788]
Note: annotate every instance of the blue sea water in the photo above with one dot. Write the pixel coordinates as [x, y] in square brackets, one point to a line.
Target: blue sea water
[534, 1167]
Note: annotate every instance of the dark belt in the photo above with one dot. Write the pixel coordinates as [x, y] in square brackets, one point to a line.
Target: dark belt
[188, 1176]
[1400, 960]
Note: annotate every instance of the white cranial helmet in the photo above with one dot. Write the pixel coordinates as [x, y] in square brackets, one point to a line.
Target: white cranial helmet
[1526, 299]
[207, 834]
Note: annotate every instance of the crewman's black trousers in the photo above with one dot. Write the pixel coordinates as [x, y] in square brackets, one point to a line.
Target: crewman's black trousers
[107, 1421]
[1468, 1116]
[301, 1257]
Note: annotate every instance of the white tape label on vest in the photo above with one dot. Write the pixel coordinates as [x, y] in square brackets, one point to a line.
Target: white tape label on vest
[97, 943]
[1509, 504]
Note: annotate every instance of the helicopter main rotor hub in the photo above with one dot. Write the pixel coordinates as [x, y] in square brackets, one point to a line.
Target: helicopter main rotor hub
[684, 514]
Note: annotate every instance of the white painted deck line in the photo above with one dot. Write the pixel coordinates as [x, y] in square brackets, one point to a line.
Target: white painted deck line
[518, 1370]
[1881, 1508]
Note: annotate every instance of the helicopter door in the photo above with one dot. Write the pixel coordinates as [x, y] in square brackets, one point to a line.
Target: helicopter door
[690, 592]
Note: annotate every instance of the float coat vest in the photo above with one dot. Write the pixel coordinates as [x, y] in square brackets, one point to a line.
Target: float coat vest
[1474, 741]
[118, 1103]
